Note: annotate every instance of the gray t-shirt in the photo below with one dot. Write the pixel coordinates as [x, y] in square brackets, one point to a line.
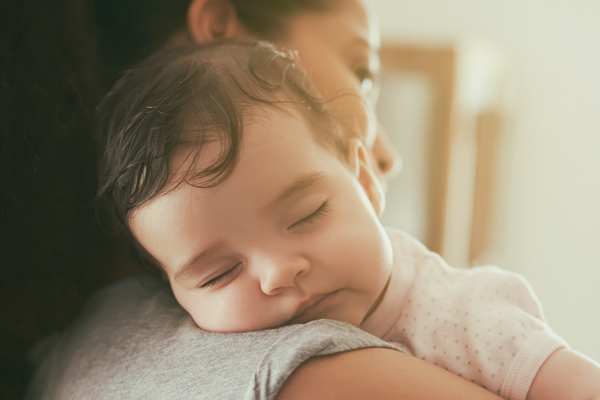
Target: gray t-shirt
[133, 341]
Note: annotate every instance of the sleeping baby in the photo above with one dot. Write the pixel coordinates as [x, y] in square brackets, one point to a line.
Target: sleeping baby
[261, 209]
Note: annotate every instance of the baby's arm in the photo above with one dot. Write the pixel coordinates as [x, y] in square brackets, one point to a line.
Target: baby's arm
[566, 374]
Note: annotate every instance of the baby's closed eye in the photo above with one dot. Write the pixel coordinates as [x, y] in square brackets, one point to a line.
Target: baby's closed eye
[315, 215]
[221, 277]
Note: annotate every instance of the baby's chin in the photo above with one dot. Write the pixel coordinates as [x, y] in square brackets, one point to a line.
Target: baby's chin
[251, 327]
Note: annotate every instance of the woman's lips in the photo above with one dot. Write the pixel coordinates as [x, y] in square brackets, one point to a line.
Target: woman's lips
[310, 308]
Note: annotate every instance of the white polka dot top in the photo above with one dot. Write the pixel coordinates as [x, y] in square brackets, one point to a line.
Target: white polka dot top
[484, 324]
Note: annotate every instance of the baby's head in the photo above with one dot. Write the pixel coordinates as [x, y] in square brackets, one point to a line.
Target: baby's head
[231, 176]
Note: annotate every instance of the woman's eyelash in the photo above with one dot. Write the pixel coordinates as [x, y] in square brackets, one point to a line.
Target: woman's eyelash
[321, 211]
[364, 74]
[366, 79]
[221, 277]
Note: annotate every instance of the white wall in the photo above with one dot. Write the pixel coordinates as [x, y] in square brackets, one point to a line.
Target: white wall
[551, 216]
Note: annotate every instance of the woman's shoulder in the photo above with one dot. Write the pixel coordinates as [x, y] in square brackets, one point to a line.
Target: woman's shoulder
[133, 338]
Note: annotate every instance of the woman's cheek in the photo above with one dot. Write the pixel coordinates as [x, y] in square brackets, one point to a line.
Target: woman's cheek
[356, 116]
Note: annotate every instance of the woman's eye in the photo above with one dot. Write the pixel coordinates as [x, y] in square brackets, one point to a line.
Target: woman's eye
[221, 277]
[318, 213]
[365, 78]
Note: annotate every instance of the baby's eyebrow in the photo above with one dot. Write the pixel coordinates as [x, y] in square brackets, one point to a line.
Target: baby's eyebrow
[300, 184]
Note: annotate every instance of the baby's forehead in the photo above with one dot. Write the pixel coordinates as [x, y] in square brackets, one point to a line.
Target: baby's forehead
[273, 154]
[194, 156]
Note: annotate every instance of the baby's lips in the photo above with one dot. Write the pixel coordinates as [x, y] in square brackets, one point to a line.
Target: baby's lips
[311, 306]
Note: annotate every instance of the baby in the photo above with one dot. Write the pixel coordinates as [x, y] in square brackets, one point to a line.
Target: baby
[262, 210]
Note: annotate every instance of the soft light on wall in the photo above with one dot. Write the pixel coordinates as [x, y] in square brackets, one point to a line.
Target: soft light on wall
[549, 193]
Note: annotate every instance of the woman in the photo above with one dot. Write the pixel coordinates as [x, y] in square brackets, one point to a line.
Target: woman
[337, 45]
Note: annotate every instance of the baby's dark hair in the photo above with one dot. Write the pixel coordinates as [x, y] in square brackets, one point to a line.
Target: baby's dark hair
[184, 98]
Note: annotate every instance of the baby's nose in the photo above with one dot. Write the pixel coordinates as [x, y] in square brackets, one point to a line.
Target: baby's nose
[282, 273]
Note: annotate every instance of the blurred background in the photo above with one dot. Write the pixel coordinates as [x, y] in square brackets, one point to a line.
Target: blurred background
[495, 107]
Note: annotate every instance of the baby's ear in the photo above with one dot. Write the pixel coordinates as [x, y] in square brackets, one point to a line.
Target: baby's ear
[361, 166]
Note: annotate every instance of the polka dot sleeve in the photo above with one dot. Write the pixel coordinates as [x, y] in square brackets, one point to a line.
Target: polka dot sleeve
[484, 324]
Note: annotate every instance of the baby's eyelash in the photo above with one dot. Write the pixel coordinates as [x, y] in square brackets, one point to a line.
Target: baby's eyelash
[320, 212]
[221, 277]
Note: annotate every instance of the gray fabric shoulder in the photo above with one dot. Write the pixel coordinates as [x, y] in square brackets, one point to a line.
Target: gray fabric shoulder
[133, 341]
[316, 338]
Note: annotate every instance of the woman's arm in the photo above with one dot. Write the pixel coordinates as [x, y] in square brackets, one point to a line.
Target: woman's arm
[376, 373]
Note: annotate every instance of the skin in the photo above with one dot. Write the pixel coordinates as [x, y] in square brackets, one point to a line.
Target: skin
[339, 50]
[566, 374]
[381, 374]
[248, 262]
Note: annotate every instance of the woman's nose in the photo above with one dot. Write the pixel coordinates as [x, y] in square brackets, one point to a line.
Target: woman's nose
[281, 273]
[388, 160]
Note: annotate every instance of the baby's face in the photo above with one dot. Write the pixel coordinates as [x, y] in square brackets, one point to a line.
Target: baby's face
[289, 237]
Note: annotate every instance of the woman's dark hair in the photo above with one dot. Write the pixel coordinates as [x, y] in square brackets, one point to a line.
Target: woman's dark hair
[52, 251]
[186, 97]
[131, 30]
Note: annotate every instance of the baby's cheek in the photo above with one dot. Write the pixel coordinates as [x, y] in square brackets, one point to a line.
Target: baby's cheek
[236, 309]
